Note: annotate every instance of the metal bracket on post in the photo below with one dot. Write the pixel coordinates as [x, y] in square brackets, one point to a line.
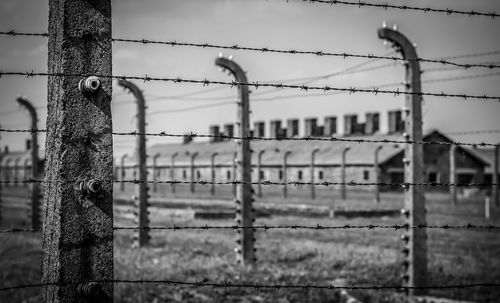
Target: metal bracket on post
[142, 234]
[77, 244]
[35, 164]
[415, 248]
[244, 199]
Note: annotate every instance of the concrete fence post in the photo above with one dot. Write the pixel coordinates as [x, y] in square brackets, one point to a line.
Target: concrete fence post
[453, 175]
[123, 172]
[343, 174]
[415, 239]
[35, 163]
[494, 178]
[1, 184]
[192, 171]
[285, 175]
[77, 224]
[376, 169]
[141, 236]
[312, 166]
[212, 173]
[155, 172]
[172, 169]
[244, 199]
[234, 168]
[17, 168]
[259, 169]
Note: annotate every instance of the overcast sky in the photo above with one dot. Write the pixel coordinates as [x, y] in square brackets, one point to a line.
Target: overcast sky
[273, 24]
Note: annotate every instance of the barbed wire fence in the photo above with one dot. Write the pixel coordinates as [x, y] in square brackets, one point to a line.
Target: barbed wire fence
[95, 183]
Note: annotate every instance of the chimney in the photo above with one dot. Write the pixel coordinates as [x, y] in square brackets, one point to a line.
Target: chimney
[28, 144]
[215, 132]
[396, 124]
[292, 128]
[311, 125]
[350, 124]
[259, 129]
[187, 138]
[275, 130]
[229, 130]
[372, 123]
[330, 127]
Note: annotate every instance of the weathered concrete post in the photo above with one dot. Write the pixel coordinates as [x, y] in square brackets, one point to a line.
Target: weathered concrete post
[343, 174]
[172, 169]
[142, 234]
[453, 175]
[212, 173]
[7, 173]
[1, 184]
[285, 175]
[312, 166]
[495, 195]
[35, 163]
[377, 174]
[259, 169]
[415, 250]
[78, 208]
[244, 199]
[191, 171]
[26, 170]
[155, 172]
[17, 168]
[123, 171]
[233, 172]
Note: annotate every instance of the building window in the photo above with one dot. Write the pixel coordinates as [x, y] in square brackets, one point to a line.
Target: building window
[184, 175]
[433, 177]
[198, 175]
[280, 175]
[262, 174]
[366, 175]
[228, 175]
[134, 174]
[299, 175]
[320, 175]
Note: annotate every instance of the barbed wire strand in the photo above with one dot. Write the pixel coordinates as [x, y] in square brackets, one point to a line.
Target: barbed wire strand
[343, 55]
[329, 139]
[227, 284]
[266, 227]
[351, 90]
[267, 182]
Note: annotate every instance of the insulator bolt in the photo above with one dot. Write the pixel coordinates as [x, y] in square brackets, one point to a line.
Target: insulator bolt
[89, 85]
[405, 238]
[91, 187]
[406, 161]
[89, 290]
[405, 212]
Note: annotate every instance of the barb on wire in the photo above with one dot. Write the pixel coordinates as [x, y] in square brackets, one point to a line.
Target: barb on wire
[256, 286]
[386, 6]
[329, 139]
[343, 55]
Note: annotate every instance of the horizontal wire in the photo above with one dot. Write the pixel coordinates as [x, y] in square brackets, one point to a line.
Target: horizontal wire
[475, 132]
[386, 6]
[274, 50]
[267, 182]
[225, 137]
[266, 227]
[227, 284]
[351, 90]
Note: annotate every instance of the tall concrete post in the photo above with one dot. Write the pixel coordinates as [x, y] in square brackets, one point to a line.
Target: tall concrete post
[17, 168]
[494, 178]
[259, 169]
[312, 166]
[1, 184]
[377, 174]
[342, 172]
[244, 199]
[35, 164]
[155, 172]
[141, 237]
[285, 175]
[191, 170]
[172, 169]
[212, 173]
[26, 170]
[77, 232]
[123, 170]
[415, 250]
[453, 175]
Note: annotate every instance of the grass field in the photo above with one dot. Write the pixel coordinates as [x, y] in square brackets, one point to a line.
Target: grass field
[357, 257]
